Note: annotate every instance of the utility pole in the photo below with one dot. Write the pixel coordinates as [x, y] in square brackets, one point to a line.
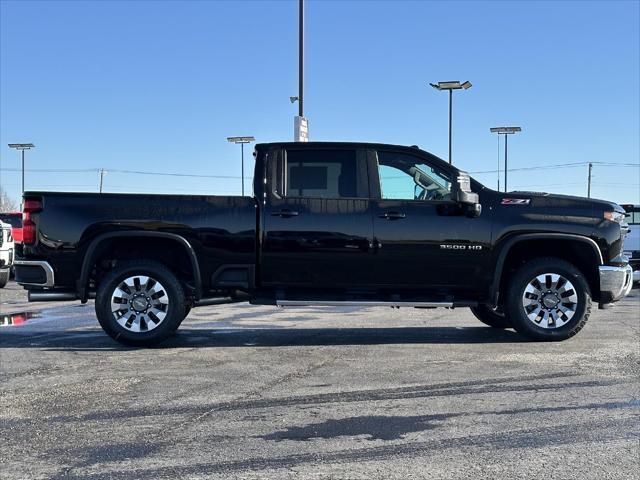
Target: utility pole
[103, 172]
[589, 180]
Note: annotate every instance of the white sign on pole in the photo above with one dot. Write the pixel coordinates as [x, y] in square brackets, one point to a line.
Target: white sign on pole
[300, 129]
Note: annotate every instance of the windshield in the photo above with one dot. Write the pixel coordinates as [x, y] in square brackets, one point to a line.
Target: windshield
[13, 220]
[632, 214]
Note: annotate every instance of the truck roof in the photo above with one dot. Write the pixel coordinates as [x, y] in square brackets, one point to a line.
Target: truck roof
[365, 145]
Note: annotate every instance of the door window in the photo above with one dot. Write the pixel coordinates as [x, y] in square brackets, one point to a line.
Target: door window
[321, 174]
[407, 177]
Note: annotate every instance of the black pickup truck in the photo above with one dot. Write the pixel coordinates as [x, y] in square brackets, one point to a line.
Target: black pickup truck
[329, 224]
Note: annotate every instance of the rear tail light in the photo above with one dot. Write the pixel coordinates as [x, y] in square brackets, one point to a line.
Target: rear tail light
[30, 207]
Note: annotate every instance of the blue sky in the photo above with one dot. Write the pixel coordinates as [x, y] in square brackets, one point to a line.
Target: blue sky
[159, 85]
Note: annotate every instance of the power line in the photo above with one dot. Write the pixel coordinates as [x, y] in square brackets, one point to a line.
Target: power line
[563, 165]
[52, 170]
[192, 175]
[136, 172]
[197, 175]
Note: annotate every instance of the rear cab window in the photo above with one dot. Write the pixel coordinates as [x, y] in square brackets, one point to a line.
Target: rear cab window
[323, 173]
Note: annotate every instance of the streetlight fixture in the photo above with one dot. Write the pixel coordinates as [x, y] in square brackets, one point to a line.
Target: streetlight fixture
[506, 131]
[241, 141]
[22, 147]
[451, 86]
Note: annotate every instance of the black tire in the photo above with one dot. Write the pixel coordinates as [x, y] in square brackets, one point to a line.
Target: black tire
[515, 308]
[493, 317]
[4, 277]
[186, 314]
[172, 289]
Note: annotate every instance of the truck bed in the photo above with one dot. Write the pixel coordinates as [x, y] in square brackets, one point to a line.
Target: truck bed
[221, 229]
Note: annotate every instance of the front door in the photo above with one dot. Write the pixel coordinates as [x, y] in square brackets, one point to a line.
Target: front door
[317, 230]
[423, 240]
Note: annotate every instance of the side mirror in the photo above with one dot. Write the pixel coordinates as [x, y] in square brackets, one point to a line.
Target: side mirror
[465, 197]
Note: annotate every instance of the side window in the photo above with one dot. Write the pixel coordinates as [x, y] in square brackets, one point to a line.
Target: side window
[633, 216]
[406, 177]
[321, 174]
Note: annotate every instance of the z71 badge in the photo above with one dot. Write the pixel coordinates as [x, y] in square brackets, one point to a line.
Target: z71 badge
[516, 201]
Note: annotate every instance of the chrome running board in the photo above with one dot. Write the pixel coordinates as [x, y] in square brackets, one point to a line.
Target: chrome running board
[323, 303]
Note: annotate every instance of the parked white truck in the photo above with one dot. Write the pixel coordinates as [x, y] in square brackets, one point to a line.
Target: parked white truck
[632, 242]
[7, 250]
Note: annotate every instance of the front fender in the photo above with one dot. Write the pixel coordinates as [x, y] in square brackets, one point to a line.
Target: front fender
[506, 245]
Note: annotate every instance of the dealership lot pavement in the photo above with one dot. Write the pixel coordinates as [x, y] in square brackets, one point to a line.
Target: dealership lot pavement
[259, 392]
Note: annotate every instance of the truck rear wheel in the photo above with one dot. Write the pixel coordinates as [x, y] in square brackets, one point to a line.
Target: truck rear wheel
[494, 317]
[548, 299]
[140, 303]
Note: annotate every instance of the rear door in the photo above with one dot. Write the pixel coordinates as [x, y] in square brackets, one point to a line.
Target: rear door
[423, 240]
[317, 228]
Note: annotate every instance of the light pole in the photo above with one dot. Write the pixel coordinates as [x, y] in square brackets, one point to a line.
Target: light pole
[22, 147]
[506, 131]
[301, 58]
[451, 86]
[300, 122]
[241, 141]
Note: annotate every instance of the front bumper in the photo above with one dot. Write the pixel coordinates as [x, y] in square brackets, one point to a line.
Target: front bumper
[615, 282]
[6, 258]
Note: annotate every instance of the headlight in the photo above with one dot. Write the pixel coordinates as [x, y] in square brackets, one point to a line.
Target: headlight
[614, 216]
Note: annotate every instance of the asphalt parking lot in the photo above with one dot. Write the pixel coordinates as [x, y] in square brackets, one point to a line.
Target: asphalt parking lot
[259, 392]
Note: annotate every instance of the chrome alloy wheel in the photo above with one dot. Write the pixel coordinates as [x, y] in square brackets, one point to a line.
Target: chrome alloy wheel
[550, 300]
[139, 303]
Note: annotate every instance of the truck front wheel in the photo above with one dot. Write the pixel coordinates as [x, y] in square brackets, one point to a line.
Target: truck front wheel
[548, 299]
[140, 303]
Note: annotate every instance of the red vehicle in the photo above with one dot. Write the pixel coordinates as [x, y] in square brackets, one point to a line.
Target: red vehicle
[15, 220]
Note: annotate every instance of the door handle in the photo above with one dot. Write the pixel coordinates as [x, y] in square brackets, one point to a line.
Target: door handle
[285, 213]
[392, 215]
